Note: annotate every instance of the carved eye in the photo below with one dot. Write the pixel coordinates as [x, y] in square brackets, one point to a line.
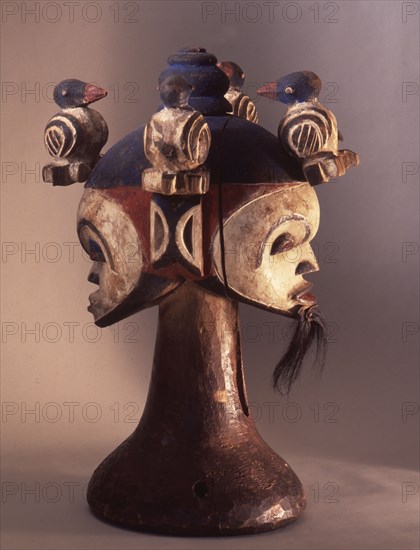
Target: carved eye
[64, 92]
[282, 243]
[289, 90]
[95, 252]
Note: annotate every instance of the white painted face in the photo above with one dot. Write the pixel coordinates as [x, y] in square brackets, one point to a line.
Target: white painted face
[111, 240]
[267, 248]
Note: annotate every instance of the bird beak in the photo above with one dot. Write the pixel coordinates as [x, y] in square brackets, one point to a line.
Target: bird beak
[93, 93]
[268, 90]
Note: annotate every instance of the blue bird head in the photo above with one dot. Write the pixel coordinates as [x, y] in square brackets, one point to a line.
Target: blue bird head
[75, 93]
[292, 88]
[234, 72]
[175, 91]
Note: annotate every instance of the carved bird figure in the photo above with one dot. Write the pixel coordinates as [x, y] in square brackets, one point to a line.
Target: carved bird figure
[242, 105]
[76, 134]
[308, 129]
[177, 138]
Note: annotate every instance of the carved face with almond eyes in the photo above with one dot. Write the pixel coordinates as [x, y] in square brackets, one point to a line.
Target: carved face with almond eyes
[110, 237]
[107, 234]
[267, 250]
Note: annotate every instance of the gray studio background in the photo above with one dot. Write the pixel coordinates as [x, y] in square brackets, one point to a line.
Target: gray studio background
[352, 436]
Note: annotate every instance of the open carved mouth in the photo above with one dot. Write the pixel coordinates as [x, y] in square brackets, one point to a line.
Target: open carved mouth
[303, 296]
[92, 300]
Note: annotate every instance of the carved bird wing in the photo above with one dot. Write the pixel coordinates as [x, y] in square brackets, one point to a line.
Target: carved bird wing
[307, 130]
[242, 105]
[177, 140]
[195, 141]
[61, 135]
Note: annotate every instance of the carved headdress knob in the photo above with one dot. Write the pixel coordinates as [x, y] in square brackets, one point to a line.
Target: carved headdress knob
[200, 69]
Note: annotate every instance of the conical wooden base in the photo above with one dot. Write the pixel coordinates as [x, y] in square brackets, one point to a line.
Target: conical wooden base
[196, 464]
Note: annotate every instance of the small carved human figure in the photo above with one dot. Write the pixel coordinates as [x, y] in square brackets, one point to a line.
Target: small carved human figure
[75, 135]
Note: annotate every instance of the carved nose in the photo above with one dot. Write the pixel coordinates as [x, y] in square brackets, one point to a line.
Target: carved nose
[93, 276]
[306, 267]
